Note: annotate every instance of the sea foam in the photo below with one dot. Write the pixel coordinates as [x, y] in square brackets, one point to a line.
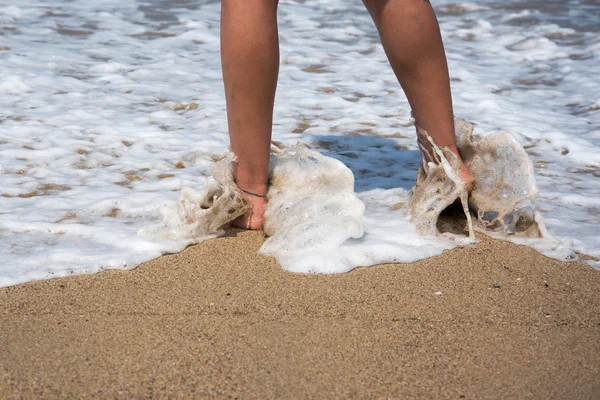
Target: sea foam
[312, 208]
[109, 109]
[503, 197]
[314, 219]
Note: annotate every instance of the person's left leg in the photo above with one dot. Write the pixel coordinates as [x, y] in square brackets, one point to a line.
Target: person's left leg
[412, 41]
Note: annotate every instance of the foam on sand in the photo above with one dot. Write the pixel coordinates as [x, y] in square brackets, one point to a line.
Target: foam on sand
[200, 215]
[312, 207]
[502, 198]
[314, 219]
[95, 143]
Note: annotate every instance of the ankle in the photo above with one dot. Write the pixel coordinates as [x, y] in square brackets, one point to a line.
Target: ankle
[250, 180]
[253, 189]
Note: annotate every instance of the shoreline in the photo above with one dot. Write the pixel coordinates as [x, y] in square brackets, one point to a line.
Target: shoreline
[493, 320]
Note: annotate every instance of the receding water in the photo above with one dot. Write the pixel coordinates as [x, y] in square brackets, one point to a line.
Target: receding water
[122, 103]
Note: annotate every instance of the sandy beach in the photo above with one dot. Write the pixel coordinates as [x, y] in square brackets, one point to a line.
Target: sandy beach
[111, 116]
[493, 320]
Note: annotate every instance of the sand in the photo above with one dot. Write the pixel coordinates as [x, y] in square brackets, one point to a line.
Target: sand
[220, 321]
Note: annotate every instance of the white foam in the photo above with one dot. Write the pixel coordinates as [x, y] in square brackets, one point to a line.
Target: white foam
[314, 219]
[502, 198]
[312, 208]
[89, 104]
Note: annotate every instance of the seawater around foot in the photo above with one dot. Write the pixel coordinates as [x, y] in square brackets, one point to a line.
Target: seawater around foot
[310, 211]
[502, 197]
[317, 223]
[95, 141]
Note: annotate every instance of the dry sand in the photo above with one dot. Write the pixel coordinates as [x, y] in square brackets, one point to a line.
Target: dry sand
[218, 320]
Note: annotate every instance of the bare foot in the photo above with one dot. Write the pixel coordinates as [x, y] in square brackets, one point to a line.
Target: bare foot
[464, 173]
[427, 150]
[254, 218]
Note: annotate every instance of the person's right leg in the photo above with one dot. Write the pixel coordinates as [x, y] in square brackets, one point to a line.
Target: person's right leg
[250, 59]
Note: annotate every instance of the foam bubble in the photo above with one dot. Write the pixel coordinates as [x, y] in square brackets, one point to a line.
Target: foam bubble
[201, 215]
[438, 186]
[504, 189]
[312, 205]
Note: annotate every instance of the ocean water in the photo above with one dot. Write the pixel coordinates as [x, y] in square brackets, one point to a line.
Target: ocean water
[108, 109]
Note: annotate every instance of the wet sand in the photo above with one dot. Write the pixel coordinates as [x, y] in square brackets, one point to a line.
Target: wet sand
[218, 320]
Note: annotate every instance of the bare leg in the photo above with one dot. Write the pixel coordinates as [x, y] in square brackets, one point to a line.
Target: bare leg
[411, 38]
[250, 59]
